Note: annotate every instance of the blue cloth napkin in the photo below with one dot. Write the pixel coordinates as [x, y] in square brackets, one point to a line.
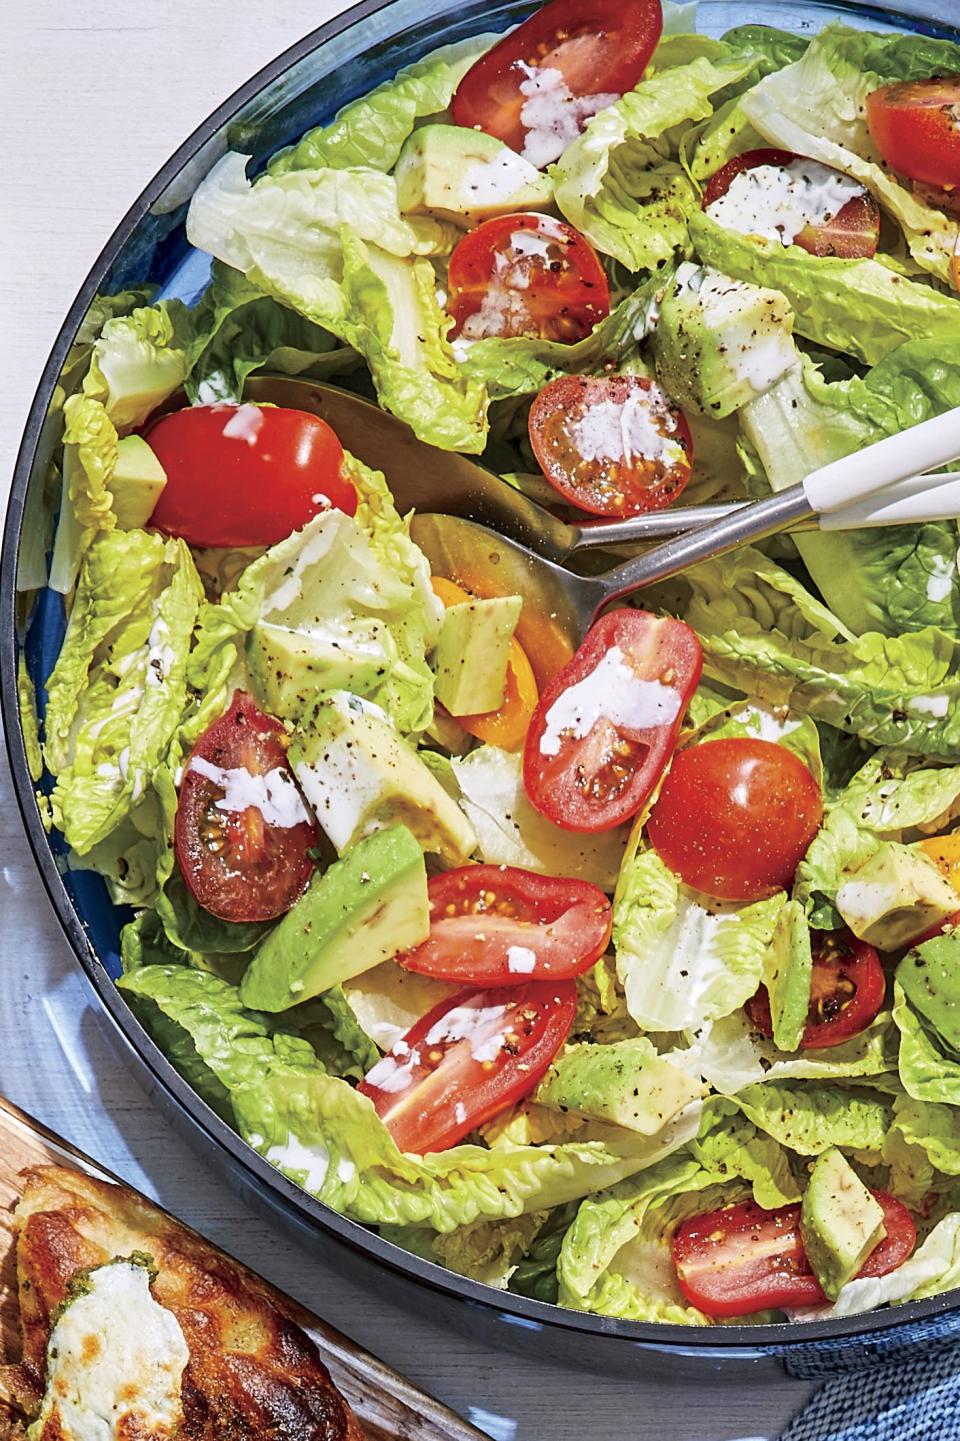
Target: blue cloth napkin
[901, 1385]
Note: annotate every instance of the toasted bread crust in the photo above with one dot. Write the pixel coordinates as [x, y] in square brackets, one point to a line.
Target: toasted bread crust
[253, 1372]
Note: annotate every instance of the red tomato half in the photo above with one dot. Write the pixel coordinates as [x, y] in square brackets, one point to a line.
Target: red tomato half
[847, 989]
[246, 474]
[526, 275]
[468, 1059]
[243, 833]
[605, 727]
[500, 926]
[915, 124]
[734, 817]
[853, 233]
[600, 48]
[742, 1258]
[612, 445]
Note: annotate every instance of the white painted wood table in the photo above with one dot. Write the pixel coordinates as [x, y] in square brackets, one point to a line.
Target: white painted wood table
[95, 95]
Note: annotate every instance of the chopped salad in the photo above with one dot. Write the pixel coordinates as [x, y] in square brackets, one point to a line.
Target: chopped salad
[625, 978]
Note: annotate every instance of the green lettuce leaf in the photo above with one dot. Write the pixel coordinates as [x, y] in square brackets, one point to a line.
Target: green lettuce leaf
[371, 130]
[770, 48]
[765, 635]
[615, 1259]
[138, 361]
[119, 687]
[817, 107]
[929, 976]
[198, 1022]
[935, 1129]
[86, 504]
[512, 833]
[615, 183]
[894, 579]
[487, 1251]
[535, 1274]
[730, 1055]
[241, 330]
[731, 1146]
[824, 292]
[929, 1069]
[321, 1133]
[333, 245]
[29, 722]
[810, 1118]
[682, 958]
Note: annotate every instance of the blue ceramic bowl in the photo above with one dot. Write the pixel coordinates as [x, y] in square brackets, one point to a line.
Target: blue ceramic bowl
[302, 88]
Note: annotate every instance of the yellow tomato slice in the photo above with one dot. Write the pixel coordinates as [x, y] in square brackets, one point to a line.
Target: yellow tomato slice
[944, 851]
[507, 726]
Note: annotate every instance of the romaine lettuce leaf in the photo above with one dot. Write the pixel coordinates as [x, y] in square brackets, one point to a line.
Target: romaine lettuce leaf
[765, 635]
[535, 1274]
[771, 48]
[682, 958]
[371, 130]
[138, 361]
[326, 1136]
[615, 1259]
[240, 330]
[817, 107]
[487, 1251]
[512, 833]
[934, 1128]
[86, 504]
[809, 1118]
[729, 1054]
[119, 687]
[929, 977]
[731, 1146]
[929, 1069]
[333, 245]
[894, 579]
[824, 292]
[615, 182]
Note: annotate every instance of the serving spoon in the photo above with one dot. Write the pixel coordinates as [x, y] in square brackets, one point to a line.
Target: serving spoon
[560, 606]
[424, 479]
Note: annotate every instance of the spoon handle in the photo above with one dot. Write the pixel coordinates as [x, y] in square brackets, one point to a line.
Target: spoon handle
[849, 481]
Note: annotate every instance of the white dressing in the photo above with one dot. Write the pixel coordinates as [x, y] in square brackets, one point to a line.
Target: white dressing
[612, 691]
[551, 114]
[482, 1026]
[778, 201]
[521, 960]
[274, 794]
[293, 1155]
[633, 429]
[245, 423]
[488, 182]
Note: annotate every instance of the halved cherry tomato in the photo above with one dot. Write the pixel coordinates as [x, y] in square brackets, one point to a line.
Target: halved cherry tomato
[526, 275]
[612, 445]
[506, 726]
[242, 832]
[501, 926]
[852, 233]
[468, 1059]
[600, 49]
[915, 124]
[742, 1258]
[245, 474]
[605, 727]
[847, 989]
[734, 817]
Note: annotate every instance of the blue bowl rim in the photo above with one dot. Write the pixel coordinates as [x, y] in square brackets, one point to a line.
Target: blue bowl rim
[709, 1342]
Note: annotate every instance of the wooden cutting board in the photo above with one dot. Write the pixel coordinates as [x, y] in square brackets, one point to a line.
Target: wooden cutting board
[389, 1407]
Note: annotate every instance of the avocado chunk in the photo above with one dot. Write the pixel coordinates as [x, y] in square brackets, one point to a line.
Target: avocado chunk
[365, 909]
[136, 483]
[719, 342]
[470, 660]
[840, 1221]
[895, 896]
[625, 1083]
[930, 977]
[359, 776]
[465, 176]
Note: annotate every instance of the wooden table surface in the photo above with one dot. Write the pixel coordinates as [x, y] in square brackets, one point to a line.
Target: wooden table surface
[95, 96]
